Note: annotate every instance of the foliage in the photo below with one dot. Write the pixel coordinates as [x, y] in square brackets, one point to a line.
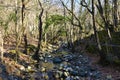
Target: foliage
[55, 20]
[12, 17]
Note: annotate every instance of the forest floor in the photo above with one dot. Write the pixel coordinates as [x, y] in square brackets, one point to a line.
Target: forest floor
[24, 68]
[108, 70]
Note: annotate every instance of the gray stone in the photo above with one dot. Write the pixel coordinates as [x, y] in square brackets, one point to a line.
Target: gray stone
[57, 60]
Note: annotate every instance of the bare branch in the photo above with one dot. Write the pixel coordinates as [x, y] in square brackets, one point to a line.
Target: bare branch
[84, 4]
[79, 23]
[41, 13]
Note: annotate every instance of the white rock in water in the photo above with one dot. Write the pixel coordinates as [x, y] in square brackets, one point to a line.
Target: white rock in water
[22, 68]
[43, 69]
[49, 56]
[29, 67]
[41, 58]
[66, 74]
[77, 77]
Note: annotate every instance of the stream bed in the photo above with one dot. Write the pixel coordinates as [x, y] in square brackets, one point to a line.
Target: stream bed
[60, 64]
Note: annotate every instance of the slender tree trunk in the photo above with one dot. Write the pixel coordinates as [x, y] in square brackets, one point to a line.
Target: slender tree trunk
[102, 55]
[24, 32]
[1, 46]
[44, 30]
[16, 30]
[72, 26]
[36, 55]
[104, 17]
[25, 43]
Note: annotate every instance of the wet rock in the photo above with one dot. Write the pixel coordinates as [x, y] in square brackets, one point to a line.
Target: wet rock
[74, 73]
[66, 73]
[22, 68]
[82, 74]
[109, 77]
[96, 74]
[68, 57]
[69, 78]
[13, 77]
[45, 76]
[57, 60]
[57, 75]
[69, 69]
[49, 56]
[41, 58]
[50, 75]
[43, 69]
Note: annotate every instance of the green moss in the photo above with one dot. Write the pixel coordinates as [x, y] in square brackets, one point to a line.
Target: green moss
[117, 62]
[113, 50]
[12, 51]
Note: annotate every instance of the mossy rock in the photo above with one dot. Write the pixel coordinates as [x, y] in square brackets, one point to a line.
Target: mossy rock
[12, 51]
[117, 62]
[62, 52]
[48, 66]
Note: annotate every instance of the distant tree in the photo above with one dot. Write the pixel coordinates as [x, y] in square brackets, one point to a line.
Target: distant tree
[102, 54]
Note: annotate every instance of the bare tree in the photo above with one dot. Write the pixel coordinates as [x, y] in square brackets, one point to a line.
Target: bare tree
[24, 31]
[104, 17]
[102, 55]
[76, 18]
[36, 55]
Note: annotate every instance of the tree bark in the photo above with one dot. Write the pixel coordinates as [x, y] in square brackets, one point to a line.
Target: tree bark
[72, 26]
[102, 54]
[105, 17]
[1, 46]
[24, 32]
[36, 55]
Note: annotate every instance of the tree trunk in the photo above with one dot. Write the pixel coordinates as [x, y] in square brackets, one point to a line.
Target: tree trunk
[104, 17]
[25, 43]
[17, 34]
[36, 55]
[102, 55]
[24, 31]
[1, 46]
[72, 26]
